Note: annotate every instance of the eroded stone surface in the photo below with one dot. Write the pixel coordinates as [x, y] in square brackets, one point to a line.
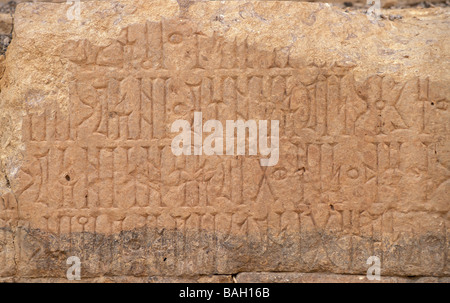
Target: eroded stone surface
[292, 277]
[87, 168]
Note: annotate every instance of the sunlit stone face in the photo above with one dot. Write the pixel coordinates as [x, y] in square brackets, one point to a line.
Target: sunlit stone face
[361, 168]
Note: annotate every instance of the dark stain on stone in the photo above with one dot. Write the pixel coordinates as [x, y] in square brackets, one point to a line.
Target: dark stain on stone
[8, 183]
[44, 254]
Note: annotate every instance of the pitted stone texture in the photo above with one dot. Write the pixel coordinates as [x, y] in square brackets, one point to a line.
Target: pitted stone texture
[87, 168]
[6, 23]
[271, 277]
[384, 3]
[127, 279]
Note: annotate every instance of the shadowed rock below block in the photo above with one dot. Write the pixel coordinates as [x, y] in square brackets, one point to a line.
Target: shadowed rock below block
[87, 168]
[293, 277]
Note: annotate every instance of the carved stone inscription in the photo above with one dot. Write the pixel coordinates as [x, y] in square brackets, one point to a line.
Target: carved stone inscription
[359, 171]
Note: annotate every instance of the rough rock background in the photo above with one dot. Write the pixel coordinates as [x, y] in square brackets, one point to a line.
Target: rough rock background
[7, 8]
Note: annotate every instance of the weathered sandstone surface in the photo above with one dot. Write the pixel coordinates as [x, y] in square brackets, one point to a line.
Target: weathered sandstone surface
[86, 108]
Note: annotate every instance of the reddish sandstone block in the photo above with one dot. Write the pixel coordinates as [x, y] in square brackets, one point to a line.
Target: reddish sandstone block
[86, 112]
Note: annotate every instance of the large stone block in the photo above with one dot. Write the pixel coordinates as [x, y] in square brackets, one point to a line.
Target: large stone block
[87, 168]
[262, 277]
